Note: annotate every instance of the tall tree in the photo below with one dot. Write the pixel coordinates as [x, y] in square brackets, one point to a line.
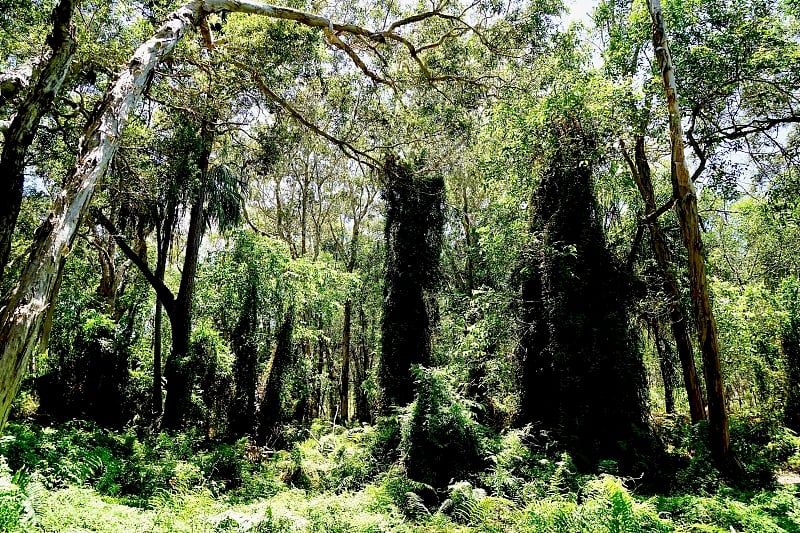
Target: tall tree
[581, 374]
[24, 318]
[414, 225]
[686, 208]
[640, 169]
[44, 87]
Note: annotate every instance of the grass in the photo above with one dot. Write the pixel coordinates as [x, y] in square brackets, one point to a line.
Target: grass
[80, 478]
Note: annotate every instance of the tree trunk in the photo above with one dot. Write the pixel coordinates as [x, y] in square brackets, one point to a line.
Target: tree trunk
[23, 126]
[360, 365]
[640, 168]
[344, 388]
[666, 364]
[686, 208]
[270, 413]
[242, 420]
[179, 382]
[467, 225]
[158, 322]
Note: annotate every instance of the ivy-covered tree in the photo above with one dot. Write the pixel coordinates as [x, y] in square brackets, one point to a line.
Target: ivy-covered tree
[581, 373]
[413, 232]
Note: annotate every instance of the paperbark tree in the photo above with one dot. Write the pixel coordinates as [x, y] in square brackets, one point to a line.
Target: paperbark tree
[48, 78]
[686, 209]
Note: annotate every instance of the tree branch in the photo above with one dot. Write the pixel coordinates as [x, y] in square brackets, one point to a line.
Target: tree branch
[348, 149]
[165, 295]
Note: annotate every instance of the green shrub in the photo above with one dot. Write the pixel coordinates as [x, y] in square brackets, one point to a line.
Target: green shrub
[767, 512]
[608, 507]
[439, 441]
[16, 510]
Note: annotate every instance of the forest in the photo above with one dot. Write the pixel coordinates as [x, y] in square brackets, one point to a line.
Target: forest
[400, 266]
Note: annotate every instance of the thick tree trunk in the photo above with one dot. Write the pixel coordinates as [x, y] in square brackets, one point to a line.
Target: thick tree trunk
[242, 420]
[640, 168]
[22, 129]
[158, 324]
[686, 208]
[361, 363]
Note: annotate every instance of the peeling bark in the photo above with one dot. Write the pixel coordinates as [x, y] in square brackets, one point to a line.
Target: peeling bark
[686, 208]
[26, 311]
[28, 307]
[22, 128]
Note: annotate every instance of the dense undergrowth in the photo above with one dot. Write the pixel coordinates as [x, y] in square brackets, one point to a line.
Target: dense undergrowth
[80, 477]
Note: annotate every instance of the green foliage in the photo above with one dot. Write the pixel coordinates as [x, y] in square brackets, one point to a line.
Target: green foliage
[440, 440]
[767, 512]
[761, 445]
[329, 482]
[580, 368]
[608, 507]
[16, 505]
[210, 364]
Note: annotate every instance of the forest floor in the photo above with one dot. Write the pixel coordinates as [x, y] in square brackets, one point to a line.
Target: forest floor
[80, 478]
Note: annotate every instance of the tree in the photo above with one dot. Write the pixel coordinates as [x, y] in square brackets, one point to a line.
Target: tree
[686, 208]
[640, 169]
[44, 87]
[581, 374]
[23, 320]
[413, 232]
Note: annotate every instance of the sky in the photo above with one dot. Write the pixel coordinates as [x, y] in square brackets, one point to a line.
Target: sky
[579, 9]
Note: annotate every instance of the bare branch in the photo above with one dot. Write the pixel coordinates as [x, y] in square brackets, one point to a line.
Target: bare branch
[165, 295]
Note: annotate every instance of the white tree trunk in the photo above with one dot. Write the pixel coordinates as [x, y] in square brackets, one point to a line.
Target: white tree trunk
[23, 320]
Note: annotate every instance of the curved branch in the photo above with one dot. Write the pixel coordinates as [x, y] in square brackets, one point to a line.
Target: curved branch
[348, 149]
[165, 295]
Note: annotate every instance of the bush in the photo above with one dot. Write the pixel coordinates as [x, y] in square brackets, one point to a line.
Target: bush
[16, 510]
[760, 444]
[440, 442]
[608, 508]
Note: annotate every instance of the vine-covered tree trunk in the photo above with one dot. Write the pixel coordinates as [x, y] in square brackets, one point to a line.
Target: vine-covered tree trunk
[270, 412]
[245, 348]
[414, 222]
[581, 372]
[344, 382]
[347, 326]
[19, 136]
[658, 241]
[686, 208]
